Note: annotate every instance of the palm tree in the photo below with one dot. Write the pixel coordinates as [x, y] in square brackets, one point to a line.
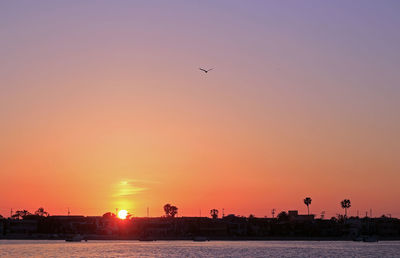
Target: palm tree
[345, 205]
[41, 212]
[307, 201]
[214, 213]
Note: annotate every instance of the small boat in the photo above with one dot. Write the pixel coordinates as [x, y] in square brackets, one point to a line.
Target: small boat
[147, 239]
[75, 238]
[200, 239]
[370, 239]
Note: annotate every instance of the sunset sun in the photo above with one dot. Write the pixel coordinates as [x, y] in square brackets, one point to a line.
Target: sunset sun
[122, 214]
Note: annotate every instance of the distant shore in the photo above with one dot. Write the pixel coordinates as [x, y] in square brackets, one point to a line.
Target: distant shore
[291, 227]
[109, 238]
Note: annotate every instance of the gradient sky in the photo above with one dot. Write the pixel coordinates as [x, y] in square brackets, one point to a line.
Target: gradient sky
[102, 106]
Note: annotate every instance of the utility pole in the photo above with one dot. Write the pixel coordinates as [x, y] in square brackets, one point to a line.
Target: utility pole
[273, 213]
[69, 212]
[223, 212]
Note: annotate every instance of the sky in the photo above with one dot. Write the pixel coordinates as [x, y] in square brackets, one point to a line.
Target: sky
[102, 106]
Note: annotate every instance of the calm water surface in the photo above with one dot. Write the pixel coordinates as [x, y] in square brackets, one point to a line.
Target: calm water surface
[35, 248]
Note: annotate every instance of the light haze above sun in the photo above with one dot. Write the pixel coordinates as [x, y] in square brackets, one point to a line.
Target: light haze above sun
[122, 214]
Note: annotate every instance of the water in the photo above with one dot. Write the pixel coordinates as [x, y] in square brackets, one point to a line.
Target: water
[38, 248]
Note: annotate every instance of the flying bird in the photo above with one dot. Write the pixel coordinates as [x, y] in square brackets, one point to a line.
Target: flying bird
[205, 70]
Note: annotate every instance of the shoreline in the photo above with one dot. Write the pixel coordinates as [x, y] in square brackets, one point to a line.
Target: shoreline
[107, 238]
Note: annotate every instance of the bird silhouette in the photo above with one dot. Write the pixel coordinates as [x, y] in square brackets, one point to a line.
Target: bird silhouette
[205, 70]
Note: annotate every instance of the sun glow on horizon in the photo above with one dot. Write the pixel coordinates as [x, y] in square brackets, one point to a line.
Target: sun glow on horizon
[122, 214]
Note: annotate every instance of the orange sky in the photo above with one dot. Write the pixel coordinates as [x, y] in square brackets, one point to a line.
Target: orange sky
[103, 106]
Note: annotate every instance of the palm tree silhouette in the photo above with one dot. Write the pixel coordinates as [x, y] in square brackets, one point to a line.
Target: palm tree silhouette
[345, 205]
[307, 201]
[41, 212]
[214, 213]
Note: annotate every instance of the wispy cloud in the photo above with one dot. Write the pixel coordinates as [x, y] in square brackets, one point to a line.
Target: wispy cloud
[126, 188]
[143, 181]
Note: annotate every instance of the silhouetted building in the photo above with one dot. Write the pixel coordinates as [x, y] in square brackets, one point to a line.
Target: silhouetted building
[295, 216]
[2, 222]
[22, 226]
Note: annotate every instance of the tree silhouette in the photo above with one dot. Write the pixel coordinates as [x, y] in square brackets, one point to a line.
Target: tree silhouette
[167, 208]
[174, 211]
[345, 205]
[129, 216]
[41, 212]
[307, 201]
[214, 213]
[20, 214]
[109, 215]
[283, 216]
[170, 210]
